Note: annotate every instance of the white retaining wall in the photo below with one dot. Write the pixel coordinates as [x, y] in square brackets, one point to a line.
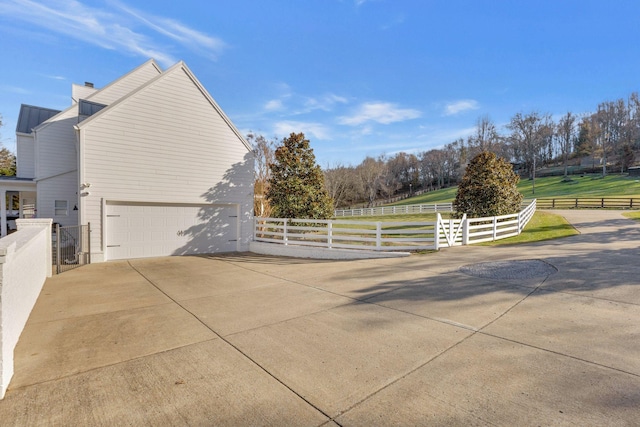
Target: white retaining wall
[277, 249]
[25, 263]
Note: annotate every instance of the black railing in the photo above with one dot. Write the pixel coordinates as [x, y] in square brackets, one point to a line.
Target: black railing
[72, 247]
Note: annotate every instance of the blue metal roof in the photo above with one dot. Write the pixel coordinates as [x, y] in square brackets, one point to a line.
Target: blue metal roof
[88, 108]
[32, 116]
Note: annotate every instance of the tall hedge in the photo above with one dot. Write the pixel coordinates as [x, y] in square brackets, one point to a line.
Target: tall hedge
[489, 187]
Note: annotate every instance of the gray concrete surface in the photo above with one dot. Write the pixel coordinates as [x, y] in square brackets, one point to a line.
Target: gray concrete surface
[256, 340]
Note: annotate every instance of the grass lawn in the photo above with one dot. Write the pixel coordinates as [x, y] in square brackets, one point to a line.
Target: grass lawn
[550, 187]
[585, 186]
[632, 215]
[543, 226]
[395, 218]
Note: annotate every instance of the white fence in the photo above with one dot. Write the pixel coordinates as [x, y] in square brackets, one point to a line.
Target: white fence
[391, 236]
[394, 210]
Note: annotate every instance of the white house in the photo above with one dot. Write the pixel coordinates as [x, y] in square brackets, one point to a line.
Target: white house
[150, 161]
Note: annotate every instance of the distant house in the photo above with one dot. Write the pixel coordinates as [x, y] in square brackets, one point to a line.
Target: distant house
[150, 160]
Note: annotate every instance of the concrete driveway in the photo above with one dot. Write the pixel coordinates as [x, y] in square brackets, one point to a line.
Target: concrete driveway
[540, 334]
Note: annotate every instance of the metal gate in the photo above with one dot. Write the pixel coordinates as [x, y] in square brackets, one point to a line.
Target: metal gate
[72, 246]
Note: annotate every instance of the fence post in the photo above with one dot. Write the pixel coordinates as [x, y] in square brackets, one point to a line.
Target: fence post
[57, 248]
[330, 234]
[519, 222]
[285, 238]
[255, 228]
[602, 203]
[378, 235]
[465, 230]
[436, 232]
[495, 227]
[88, 243]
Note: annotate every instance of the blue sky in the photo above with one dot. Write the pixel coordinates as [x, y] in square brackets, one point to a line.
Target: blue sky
[358, 77]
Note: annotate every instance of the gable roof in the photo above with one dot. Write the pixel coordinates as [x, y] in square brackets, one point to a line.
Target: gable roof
[180, 66]
[32, 116]
[73, 109]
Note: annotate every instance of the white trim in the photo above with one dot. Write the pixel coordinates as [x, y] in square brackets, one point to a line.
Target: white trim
[178, 66]
[75, 104]
[103, 228]
[55, 176]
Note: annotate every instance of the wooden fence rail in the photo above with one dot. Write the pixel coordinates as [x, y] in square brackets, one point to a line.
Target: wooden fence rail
[391, 236]
[589, 203]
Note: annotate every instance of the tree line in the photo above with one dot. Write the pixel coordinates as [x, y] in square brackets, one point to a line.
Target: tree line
[530, 141]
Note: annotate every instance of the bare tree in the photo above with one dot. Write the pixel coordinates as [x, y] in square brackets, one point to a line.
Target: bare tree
[529, 134]
[372, 174]
[485, 138]
[340, 182]
[403, 169]
[264, 155]
[566, 135]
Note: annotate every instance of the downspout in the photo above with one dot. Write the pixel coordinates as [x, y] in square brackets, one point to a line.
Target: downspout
[80, 174]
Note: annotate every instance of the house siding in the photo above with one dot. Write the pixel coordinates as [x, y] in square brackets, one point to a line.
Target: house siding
[126, 84]
[165, 143]
[61, 187]
[55, 158]
[25, 156]
[55, 146]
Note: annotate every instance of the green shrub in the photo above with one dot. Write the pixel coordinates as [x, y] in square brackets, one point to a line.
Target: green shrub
[489, 187]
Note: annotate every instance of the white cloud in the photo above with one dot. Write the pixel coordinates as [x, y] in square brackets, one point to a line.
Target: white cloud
[14, 89]
[380, 112]
[324, 103]
[456, 107]
[111, 28]
[310, 129]
[274, 105]
[189, 37]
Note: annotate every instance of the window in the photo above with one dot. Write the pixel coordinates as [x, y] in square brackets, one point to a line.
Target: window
[61, 208]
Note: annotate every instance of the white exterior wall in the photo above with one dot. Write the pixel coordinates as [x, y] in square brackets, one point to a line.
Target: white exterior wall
[166, 143]
[25, 156]
[125, 84]
[55, 158]
[55, 145]
[25, 263]
[62, 187]
[79, 92]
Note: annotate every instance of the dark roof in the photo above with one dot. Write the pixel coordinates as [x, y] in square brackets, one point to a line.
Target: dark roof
[31, 117]
[88, 108]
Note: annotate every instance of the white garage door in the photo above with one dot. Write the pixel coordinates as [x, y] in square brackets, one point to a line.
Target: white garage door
[147, 230]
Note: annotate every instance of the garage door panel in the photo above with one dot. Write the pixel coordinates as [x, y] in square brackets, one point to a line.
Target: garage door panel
[138, 231]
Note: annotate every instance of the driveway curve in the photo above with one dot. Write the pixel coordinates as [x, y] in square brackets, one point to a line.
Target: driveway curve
[253, 340]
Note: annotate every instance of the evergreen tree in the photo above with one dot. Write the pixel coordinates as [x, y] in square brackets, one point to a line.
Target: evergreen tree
[489, 187]
[296, 185]
[7, 159]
